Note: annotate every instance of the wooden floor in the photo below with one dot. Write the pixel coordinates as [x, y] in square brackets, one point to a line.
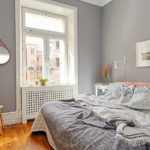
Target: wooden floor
[19, 137]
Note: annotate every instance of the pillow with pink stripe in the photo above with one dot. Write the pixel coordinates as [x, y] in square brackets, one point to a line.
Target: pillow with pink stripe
[138, 84]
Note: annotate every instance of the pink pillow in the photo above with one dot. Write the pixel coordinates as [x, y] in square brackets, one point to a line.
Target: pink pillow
[138, 84]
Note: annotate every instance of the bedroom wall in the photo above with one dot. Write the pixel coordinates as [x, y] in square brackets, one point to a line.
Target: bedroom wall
[8, 71]
[89, 55]
[124, 23]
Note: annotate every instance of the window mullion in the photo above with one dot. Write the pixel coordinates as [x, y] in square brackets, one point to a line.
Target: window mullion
[24, 60]
[50, 34]
[46, 57]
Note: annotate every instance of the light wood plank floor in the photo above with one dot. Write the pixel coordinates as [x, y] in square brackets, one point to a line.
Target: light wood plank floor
[19, 137]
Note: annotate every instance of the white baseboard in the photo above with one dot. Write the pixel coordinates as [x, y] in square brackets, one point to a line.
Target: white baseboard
[11, 118]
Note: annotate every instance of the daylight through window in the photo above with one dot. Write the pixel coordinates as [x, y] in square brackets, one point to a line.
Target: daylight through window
[45, 47]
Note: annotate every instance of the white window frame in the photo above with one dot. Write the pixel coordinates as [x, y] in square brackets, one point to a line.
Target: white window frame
[46, 35]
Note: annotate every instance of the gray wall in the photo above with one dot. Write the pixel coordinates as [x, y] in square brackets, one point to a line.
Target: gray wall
[8, 71]
[125, 22]
[89, 38]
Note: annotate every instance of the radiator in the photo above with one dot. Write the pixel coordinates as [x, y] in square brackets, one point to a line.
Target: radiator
[33, 98]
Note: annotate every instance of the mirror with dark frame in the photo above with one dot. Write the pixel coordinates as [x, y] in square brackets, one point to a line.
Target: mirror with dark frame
[4, 53]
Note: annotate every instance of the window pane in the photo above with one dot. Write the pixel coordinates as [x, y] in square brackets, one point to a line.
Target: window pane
[57, 61]
[42, 22]
[34, 58]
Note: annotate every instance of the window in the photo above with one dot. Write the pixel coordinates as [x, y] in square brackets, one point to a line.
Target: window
[57, 65]
[44, 22]
[34, 47]
[45, 52]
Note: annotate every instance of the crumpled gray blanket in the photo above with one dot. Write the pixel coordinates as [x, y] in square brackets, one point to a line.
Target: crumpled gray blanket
[74, 127]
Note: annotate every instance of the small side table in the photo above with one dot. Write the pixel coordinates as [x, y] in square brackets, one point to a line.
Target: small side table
[100, 88]
[1, 121]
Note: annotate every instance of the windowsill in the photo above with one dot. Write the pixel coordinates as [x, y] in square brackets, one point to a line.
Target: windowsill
[48, 85]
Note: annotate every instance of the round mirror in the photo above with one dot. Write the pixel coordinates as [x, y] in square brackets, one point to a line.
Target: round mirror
[4, 55]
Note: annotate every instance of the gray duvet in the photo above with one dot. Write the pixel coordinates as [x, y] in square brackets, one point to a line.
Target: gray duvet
[74, 127]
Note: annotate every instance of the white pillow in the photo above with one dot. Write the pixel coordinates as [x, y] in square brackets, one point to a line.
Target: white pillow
[126, 93]
[142, 90]
[115, 90]
[140, 99]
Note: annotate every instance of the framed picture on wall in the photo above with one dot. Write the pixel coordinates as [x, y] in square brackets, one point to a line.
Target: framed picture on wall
[143, 54]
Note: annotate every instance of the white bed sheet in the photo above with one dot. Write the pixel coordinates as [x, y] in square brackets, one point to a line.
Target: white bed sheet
[40, 125]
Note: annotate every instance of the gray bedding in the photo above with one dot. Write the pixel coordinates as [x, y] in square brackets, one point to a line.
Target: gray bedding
[74, 127]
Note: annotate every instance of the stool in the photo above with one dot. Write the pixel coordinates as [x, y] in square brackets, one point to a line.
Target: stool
[1, 120]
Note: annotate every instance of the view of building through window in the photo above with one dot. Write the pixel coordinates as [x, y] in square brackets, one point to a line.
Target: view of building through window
[34, 51]
[55, 66]
[57, 61]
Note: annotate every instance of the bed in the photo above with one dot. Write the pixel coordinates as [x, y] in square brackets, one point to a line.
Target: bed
[118, 120]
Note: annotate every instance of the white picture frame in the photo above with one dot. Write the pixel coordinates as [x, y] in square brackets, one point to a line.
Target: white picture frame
[143, 54]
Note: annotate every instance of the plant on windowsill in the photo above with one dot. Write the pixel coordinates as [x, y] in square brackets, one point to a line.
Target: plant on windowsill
[43, 81]
[105, 72]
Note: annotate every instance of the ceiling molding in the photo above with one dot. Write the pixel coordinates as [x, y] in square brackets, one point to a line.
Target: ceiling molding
[100, 3]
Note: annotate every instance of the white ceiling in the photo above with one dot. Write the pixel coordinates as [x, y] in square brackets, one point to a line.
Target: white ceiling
[100, 3]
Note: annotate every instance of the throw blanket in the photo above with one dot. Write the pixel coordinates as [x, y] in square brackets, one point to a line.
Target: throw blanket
[75, 127]
[136, 135]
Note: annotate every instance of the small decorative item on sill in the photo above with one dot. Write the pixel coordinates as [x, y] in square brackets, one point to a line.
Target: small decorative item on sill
[36, 83]
[105, 72]
[43, 81]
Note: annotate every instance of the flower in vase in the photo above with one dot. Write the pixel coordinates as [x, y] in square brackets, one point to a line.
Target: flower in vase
[105, 71]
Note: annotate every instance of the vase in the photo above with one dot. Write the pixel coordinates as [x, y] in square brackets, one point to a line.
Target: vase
[43, 84]
[105, 80]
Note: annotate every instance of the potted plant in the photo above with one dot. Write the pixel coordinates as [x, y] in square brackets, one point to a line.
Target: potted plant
[105, 72]
[43, 81]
